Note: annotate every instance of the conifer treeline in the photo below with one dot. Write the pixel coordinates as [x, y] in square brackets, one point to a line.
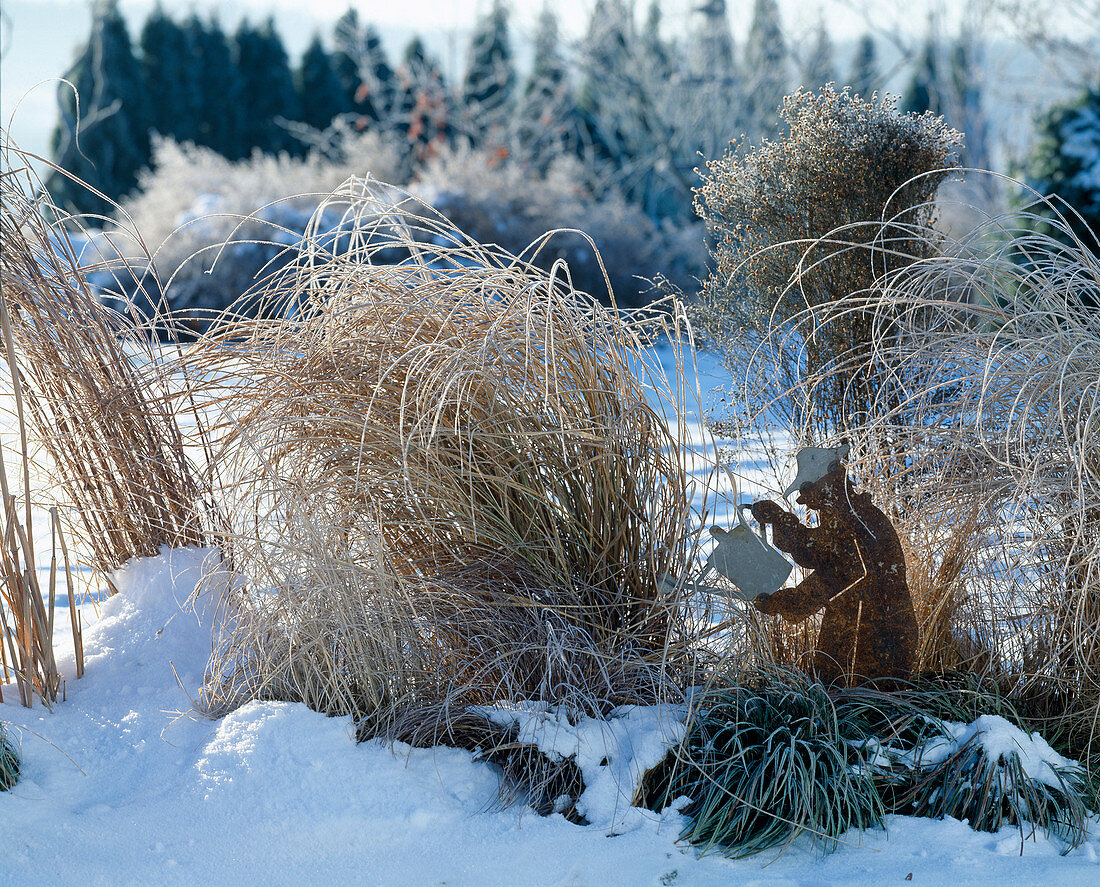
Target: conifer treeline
[608, 101]
[191, 81]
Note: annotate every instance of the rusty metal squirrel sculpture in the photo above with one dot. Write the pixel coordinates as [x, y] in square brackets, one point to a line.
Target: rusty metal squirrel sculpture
[869, 628]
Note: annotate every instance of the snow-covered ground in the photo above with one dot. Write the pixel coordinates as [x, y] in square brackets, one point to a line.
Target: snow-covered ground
[123, 784]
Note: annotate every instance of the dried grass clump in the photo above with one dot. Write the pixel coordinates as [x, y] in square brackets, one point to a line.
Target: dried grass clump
[458, 450]
[320, 620]
[94, 388]
[27, 612]
[544, 780]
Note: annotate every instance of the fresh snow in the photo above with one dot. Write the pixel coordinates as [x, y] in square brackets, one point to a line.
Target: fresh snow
[124, 784]
[999, 740]
[612, 755]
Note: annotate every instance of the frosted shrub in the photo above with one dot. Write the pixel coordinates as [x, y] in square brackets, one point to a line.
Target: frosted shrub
[214, 226]
[813, 220]
[495, 199]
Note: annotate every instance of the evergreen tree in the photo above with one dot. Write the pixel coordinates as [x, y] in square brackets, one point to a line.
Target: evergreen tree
[766, 66]
[654, 46]
[820, 67]
[490, 82]
[102, 137]
[319, 90]
[219, 88]
[1066, 164]
[368, 82]
[547, 111]
[548, 70]
[865, 76]
[923, 92]
[967, 113]
[705, 105]
[424, 110]
[640, 127]
[267, 90]
[712, 55]
[170, 70]
[347, 38]
[604, 96]
[377, 76]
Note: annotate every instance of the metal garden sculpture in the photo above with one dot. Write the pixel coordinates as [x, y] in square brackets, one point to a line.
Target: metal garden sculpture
[868, 627]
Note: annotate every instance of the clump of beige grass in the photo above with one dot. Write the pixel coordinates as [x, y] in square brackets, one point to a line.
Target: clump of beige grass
[447, 487]
[94, 388]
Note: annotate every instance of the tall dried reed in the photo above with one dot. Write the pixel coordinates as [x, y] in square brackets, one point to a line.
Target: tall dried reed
[446, 484]
[27, 614]
[94, 388]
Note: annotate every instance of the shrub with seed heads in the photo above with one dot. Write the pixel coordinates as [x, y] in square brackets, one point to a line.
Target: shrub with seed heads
[819, 216]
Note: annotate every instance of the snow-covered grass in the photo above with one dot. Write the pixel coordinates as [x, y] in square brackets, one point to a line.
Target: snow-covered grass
[125, 783]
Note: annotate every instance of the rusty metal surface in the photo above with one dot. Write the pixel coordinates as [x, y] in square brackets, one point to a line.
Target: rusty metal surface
[869, 628]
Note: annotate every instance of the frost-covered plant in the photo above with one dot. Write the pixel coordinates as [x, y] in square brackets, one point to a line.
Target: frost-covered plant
[812, 220]
[498, 200]
[776, 755]
[989, 773]
[1002, 416]
[10, 763]
[447, 486]
[1066, 166]
[213, 226]
[764, 764]
[96, 394]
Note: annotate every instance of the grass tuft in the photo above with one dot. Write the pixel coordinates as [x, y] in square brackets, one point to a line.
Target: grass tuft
[990, 791]
[10, 763]
[779, 756]
[762, 765]
[992, 462]
[94, 388]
